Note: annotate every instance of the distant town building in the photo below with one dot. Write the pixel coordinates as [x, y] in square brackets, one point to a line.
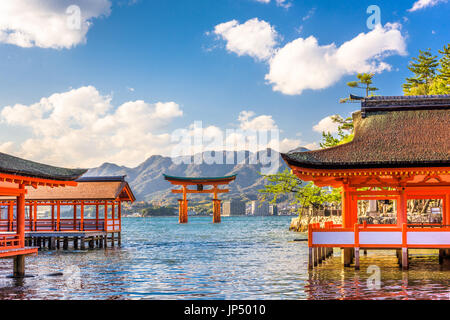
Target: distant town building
[260, 208]
[273, 210]
[233, 208]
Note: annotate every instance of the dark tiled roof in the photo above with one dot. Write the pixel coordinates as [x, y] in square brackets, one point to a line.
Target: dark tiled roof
[405, 136]
[398, 103]
[85, 190]
[17, 166]
[101, 179]
[200, 179]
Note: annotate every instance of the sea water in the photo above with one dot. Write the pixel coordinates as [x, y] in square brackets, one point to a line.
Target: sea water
[240, 258]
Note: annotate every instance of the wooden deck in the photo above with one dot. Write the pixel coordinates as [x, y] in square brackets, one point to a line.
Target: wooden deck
[8, 253]
[53, 240]
[321, 241]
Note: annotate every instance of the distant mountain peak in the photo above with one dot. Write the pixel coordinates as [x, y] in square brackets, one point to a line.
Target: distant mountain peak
[299, 149]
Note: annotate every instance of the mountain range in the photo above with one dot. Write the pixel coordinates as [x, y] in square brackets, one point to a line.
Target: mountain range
[148, 184]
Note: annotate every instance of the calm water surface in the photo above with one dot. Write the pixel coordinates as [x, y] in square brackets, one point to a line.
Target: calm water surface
[241, 258]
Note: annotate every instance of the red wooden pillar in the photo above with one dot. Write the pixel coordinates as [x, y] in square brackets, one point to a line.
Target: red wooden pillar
[10, 215]
[113, 209]
[119, 213]
[216, 211]
[53, 215]
[446, 209]
[346, 207]
[34, 215]
[58, 216]
[20, 216]
[74, 217]
[96, 216]
[82, 216]
[402, 214]
[30, 216]
[106, 217]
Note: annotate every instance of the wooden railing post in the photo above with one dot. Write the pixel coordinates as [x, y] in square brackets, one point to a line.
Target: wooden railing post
[356, 230]
[405, 246]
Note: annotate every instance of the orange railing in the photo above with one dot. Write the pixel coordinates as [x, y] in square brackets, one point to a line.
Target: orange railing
[63, 225]
[405, 236]
[9, 241]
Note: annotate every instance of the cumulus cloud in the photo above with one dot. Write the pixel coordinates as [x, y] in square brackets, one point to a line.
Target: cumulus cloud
[304, 63]
[81, 128]
[52, 24]
[326, 125]
[255, 38]
[421, 4]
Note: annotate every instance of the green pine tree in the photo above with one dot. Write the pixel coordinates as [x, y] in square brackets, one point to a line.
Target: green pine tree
[444, 64]
[424, 69]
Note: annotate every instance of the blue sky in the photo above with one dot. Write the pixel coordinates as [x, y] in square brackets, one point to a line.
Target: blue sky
[167, 52]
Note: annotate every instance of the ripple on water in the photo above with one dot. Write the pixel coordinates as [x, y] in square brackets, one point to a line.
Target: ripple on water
[242, 258]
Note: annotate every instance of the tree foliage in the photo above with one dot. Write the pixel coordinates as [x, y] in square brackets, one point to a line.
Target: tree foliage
[303, 193]
[431, 74]
[365, 81]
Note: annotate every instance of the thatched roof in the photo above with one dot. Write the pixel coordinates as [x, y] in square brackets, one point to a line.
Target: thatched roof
[17, 166]
[89, 188]
[396, 132]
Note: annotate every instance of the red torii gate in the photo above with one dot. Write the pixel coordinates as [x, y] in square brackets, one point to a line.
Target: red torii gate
[215, 182]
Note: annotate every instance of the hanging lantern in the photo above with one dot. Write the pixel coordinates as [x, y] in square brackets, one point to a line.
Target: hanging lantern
[199, 187]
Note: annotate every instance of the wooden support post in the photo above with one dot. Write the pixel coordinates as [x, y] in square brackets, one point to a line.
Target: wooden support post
[34, 215]
[19, 266]
[310, 258]
[58, 216]
[74, 217]
[82, 243]
[75, 242]
[58, 242]
[346, 256]
[402, 209]
[100, 242]
[91, 243]
[316, 256]
[105, 240]
[356, 250]
[112, 239]
[356, 258]
[53, 216]
[96, 217]
[216, 211]
[52, 243]
[10, 215]
[82, 216]
[105, 227]
[20, 217]
[119, 239]
[441, 256]
[405, 262]
[66, 243]
[119, 213]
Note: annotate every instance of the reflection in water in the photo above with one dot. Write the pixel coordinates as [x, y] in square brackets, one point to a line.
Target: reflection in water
[241, 258]
[426, 279]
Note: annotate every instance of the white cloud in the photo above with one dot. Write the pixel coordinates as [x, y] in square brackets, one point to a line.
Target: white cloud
[52, 24]
[326, 125]
[281, 3]
[81, 128]
[421, 4]
[255, 38]
[263, 122]
[305, 64]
